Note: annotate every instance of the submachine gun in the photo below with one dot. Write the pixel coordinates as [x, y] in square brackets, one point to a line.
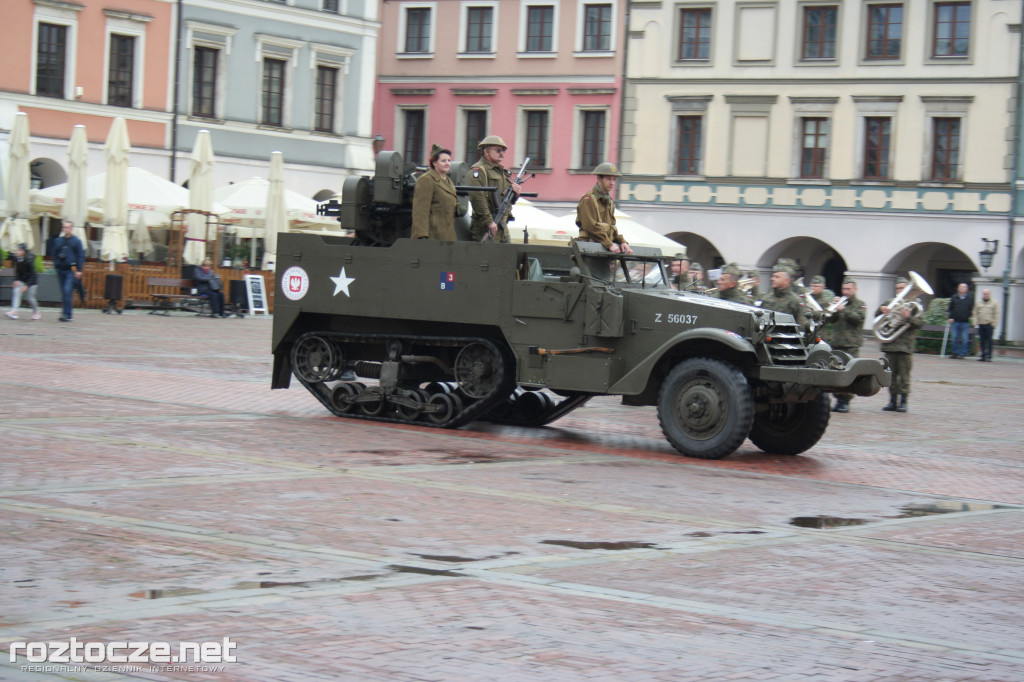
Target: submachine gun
[508, 198]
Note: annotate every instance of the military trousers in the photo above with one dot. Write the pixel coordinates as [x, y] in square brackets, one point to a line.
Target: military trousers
[854, 351]
[901, 364]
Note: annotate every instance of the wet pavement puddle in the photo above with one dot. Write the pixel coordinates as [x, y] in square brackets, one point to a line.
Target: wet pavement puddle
[906, 512]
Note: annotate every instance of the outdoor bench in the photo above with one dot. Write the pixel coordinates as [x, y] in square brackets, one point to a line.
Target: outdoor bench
[164, 303]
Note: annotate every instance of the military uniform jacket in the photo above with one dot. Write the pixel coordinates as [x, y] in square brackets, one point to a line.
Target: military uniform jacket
[846, 327]
[595, 216]
[433, 207]
[735, 294]
[785, 301]
[904, 343]
[484, 174]
[824, 299]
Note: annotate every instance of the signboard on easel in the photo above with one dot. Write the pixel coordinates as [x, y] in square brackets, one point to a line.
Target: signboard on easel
[257, 294]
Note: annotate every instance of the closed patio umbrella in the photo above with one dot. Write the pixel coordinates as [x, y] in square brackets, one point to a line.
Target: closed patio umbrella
[16, 229]
[115, 201]
[200, 197]
[276, 218]
[76, 207]
[141, 240]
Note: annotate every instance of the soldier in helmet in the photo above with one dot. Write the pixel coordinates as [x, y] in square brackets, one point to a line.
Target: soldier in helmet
[782, 299]
[679, 271]
[488, 172]
[727, 285]
[595, 214]
[697, 282]
[845, 332]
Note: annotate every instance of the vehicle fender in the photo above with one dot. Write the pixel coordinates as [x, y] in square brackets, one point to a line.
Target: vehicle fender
[635, 381]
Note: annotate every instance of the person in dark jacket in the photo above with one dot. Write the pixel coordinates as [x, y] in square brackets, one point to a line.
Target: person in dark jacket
[208, 284]
[25, 282]
[68, 259]
[960, 307]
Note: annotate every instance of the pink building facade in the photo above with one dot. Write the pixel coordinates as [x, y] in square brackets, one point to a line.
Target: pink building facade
[545, 75]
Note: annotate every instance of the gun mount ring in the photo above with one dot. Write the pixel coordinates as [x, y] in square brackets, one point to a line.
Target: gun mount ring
[478, 369]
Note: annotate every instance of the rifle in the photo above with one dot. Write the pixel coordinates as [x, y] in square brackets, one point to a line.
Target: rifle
[510, 195]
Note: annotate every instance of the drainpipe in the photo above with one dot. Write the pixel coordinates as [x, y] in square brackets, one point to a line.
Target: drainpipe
[622, 99]
[1016, 177]
[177, 78]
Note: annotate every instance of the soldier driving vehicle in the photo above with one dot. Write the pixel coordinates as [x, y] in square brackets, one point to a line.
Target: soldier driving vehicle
[446, 333]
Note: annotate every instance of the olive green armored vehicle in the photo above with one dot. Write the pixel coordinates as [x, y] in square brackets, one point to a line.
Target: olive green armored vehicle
[378, 326]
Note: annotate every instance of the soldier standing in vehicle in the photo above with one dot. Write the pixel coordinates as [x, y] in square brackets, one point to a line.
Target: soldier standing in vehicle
[434, 202]
[679, 273]
[488, 172]
[782, 299]
[727, 285]
[846, 332]
[595, 214]
[899, 351]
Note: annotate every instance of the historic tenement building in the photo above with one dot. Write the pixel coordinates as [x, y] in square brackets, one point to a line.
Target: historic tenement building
[867, 138]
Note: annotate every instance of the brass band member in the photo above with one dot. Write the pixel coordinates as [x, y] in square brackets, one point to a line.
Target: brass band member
[845, 331]
[727, 285]
[899, 351]
[782, 299]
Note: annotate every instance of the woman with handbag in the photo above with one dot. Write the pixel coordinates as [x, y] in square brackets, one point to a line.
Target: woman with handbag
[209, 284]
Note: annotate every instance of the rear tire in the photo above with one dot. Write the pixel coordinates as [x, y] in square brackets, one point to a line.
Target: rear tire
[705, 408]
[791, 428]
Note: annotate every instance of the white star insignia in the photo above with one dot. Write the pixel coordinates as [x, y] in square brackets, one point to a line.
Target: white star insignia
[341, 283]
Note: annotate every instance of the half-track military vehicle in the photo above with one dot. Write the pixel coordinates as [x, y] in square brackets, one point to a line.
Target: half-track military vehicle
[379, 326]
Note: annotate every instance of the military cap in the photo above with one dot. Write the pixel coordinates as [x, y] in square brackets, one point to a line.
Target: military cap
[754, 273]
[732, 269]
[783, 268]
[817, 279]
[850, 280]
[492, 140]
[435, 150]
[681, 255]
[697, 266]
[788, 262]
[902, 280]
[607, 169]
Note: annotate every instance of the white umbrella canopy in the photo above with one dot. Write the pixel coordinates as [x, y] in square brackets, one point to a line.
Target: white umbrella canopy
[248, 203]
[200, 196]
[276, 218]
[542, 227]
[634, 233]
[155, 197]
[16, 229]
[115, 202]
[141, 241]
[76, 206]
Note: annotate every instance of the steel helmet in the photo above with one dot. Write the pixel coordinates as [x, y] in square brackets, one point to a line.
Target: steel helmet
[492, 140]
[607, 169]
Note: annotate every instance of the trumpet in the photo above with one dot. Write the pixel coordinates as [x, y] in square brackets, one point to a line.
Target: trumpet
[890, 325]
[831, 310]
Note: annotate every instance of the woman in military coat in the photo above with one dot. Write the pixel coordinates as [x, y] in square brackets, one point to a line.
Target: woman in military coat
[434, 202]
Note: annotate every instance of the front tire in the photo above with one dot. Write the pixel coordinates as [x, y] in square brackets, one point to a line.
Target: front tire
[705, 408]
[791, 428]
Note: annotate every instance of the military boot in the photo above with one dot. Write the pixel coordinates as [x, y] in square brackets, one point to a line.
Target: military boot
[891, 407]
[903, 404]
[842, 405]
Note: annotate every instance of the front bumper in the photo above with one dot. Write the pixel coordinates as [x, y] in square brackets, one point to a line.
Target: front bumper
[861, 376]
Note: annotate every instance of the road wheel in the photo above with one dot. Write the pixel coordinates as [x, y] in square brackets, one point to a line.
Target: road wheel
[705, 408]
[791, 428]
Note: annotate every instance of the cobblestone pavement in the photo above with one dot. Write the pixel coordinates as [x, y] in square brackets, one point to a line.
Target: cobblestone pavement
[156, 490]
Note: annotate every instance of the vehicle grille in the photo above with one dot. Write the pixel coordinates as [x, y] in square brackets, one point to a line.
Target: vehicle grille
[786, 345]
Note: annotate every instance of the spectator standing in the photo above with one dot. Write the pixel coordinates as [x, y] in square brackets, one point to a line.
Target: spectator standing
[68, 259]
[986, 314]
[960, 307]
[25, 282]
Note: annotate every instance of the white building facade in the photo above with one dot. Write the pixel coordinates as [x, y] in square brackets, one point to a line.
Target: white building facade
[860, 138]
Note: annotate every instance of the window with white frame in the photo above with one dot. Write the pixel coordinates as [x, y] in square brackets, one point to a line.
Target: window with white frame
[951, 29]
[53, 49]
[694, 34]
[330, 64]
[686, 136]
[533, 125]
[416, 29]
[812, 136]
[591, 137]
[126, 49]
[538, 27]
[884, 31]
[474, 129]
[874, 144]
[277, 59]
[413, 135]
[945, 132]
[819, 32]
[210, 45]
[595, 27]
[478, 28]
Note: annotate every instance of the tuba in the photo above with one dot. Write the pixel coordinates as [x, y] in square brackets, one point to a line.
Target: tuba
[744, 285]
[891, 324]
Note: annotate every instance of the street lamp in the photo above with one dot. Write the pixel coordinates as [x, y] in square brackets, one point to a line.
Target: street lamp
[378, 143]
[990, 250]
